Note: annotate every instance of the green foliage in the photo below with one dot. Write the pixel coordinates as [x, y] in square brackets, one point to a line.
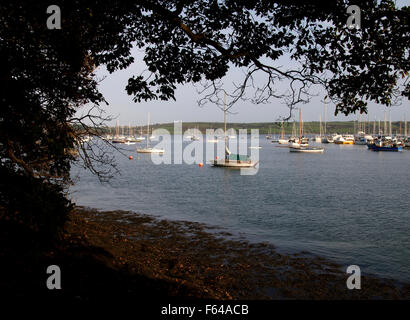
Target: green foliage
[275, 128]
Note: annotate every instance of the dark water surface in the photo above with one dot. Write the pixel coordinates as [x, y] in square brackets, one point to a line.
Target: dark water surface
[348, 204]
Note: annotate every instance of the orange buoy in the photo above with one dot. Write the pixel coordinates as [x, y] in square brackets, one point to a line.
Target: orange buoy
[200, 164]
[130, 157]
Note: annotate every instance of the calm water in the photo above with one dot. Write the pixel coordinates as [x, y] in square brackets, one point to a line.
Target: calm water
[348, 204]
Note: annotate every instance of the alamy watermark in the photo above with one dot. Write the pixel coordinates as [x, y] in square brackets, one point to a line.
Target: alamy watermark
[54, 280]
[54, 21]
[205, 148]
[354, 20]
[353, 281]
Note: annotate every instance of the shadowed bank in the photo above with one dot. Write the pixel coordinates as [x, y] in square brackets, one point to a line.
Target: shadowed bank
[123, 255]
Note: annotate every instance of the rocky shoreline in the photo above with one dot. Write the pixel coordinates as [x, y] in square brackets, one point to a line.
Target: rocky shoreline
[196, 263]
[106, 255]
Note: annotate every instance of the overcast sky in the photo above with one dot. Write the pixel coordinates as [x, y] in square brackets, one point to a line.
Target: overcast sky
[185, 107]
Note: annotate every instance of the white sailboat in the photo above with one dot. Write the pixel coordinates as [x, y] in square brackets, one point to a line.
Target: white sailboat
[117, 138]
[282, 139]
[130, 140]
[269, 136]
[149, 149]
[140, 137]
[320, 137]
[298, 147]
[232, 160]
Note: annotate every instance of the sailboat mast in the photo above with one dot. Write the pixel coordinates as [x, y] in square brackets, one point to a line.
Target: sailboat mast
[379, 128]
[225, 113]
[325, 117]
[368, 124]
[300, 125]
[320, 125]
[385, 124]
[400, 127]
[148, 131]
[282, 131]
[225, 137]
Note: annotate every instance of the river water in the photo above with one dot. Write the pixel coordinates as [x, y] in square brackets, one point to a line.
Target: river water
[348, 204]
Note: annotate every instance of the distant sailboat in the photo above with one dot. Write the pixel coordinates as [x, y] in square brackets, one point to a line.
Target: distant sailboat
[130, 140]
[149, 149]
[301, 141]
[232, 160]
[298, 147]
[319, 138]
[117, 138]
[385, 145]
[140, 137]
[282, 139]
[269, 136]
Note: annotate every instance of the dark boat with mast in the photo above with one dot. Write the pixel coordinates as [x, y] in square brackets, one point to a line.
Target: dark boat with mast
[383, 144]
[232, 160]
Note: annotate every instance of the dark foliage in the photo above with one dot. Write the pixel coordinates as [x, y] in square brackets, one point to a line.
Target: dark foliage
[45, 75]
[32, 205]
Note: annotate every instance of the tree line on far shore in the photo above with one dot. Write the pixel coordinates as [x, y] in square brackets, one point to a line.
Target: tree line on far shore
[275, 128]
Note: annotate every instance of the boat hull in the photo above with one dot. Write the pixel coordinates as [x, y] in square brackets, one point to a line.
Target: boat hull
[307, 150]
[233, 164]
[385, 148]
[150, 150]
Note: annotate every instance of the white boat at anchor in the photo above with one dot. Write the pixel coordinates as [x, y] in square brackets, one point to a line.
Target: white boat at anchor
[307, 149]
[233, 163]
[298, 144]
[149, 149]
[302, 146]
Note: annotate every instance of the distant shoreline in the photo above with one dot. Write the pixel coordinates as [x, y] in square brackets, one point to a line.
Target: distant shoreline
[274, 128]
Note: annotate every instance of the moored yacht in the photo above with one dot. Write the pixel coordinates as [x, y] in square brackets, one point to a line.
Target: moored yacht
[385, 145]
[302, 144]
[345, 139]
[149, 149]
[232, 160]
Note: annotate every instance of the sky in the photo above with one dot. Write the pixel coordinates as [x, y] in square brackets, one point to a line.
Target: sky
[185, 108]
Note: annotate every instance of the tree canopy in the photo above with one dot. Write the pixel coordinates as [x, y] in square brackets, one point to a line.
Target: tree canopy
[46, 75]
